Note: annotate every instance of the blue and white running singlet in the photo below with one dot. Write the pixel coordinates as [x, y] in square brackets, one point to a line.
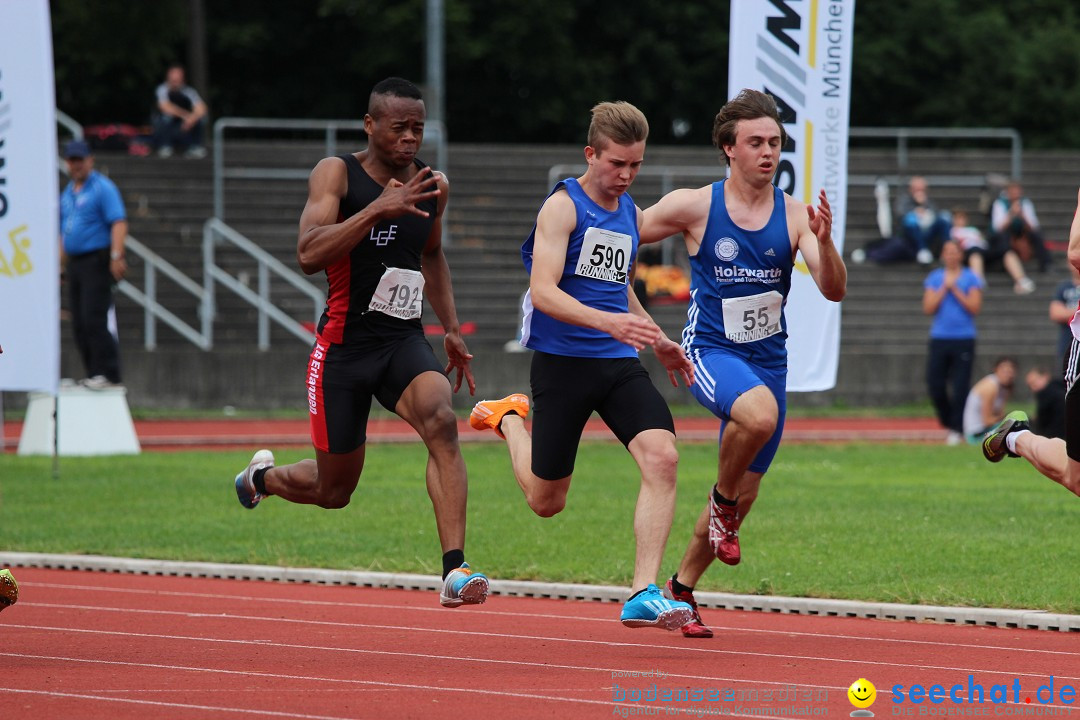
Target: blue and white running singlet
[599, 256]
[740, 281]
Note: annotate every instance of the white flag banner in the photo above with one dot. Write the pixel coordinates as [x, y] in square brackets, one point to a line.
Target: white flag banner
[800, 53]
[29, 248]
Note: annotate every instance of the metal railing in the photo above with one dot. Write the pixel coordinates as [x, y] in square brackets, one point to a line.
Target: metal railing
[215, 233]
[152, 309]
[70, 123]
[903, 134]
[433, 130]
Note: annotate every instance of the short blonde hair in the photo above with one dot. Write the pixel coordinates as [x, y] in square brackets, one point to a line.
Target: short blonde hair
[620, 122]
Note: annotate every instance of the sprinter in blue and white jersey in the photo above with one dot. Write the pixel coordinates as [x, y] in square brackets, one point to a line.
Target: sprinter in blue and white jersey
[586, 327]
[742, 235]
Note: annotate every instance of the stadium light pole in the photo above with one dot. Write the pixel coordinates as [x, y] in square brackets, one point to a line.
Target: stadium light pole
[435, 74]
[436, 82]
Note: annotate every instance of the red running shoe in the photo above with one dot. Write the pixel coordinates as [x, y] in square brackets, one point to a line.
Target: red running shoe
[695, 628]
[724, 532]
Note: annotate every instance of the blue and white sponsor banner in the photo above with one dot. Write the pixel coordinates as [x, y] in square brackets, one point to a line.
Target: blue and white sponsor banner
[799, 51]
[29, 248]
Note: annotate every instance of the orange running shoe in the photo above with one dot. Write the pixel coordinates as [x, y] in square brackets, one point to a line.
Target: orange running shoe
[489, 413]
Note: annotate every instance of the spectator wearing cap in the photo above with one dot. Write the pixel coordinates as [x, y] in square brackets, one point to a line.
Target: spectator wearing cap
[93, 228]
[179, 118]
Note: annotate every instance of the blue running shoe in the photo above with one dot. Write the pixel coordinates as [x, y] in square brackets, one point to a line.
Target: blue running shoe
[464, 586]
[245, 484]
[649, 608]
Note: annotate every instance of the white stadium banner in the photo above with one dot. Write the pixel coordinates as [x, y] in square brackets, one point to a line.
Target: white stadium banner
[799, 51]
[29, 248]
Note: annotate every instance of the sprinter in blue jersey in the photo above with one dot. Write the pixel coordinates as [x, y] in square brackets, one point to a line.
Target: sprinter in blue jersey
[586, 327]
[742, 235]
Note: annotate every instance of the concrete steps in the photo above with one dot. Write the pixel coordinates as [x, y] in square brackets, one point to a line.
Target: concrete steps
[496, 192]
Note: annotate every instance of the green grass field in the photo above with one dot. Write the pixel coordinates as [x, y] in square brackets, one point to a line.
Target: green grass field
[898, 523]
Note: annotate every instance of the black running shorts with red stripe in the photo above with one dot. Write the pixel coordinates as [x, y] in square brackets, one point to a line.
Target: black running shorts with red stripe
[342, 379]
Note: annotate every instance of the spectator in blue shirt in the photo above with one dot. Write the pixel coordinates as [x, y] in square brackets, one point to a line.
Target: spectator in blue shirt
[93, 228]
[953, 296]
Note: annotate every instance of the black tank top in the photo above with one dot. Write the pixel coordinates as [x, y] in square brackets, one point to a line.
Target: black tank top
[394, 243]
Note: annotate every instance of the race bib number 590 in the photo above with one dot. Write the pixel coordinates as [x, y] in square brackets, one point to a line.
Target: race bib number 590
[605, 255]
[399, 294]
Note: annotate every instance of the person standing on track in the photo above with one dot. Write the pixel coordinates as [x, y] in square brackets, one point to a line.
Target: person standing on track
[1055, 458]
[742, 235]
[373, 223]
[586, 327]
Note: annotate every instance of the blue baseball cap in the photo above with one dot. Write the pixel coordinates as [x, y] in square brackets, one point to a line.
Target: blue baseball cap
[76, 149]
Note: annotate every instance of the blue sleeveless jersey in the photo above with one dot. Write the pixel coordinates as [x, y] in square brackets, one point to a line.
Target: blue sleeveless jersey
[597, 277]
[751, 271]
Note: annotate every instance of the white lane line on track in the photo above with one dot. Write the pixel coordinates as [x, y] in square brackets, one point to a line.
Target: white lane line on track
[185, 706]
[486, 611]
[369, 683]
[609, 671]
[505, 636]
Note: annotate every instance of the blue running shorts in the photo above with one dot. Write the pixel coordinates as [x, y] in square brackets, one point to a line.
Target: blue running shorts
[720, 378]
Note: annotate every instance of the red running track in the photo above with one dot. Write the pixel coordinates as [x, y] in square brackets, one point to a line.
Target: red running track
[92, 645]
[277, 433]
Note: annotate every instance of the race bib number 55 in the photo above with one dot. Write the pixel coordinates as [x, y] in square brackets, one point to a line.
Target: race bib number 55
[399, 294]
[605, 255]
[756, 317]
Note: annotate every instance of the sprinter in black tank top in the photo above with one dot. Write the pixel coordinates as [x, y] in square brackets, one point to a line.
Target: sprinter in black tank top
[393, 242]
[373, 223]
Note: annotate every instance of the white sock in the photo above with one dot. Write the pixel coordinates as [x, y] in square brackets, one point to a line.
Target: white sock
[1010, 440]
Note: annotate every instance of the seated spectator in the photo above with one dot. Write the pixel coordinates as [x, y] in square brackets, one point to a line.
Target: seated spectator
[1049, 392]
[923, 226]
[887, 248]
[180, 117]
[977, 253]
[1014, 225]
[1062, 309]
[985, 405]
[923, 229]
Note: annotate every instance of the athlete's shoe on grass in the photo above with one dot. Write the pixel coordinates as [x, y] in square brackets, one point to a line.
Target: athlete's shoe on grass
[651, 609]
[489, 413]
[464, 586]
[695, 628]
[993, 445]
[245, 482]
[9, 589]
[724, 532]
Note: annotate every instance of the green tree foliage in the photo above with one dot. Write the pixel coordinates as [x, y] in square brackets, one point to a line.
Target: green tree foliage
[109, 56]
[529, 71]
[966, 63]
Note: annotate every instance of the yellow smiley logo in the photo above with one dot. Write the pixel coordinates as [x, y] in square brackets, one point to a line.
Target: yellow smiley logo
[862, 693]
